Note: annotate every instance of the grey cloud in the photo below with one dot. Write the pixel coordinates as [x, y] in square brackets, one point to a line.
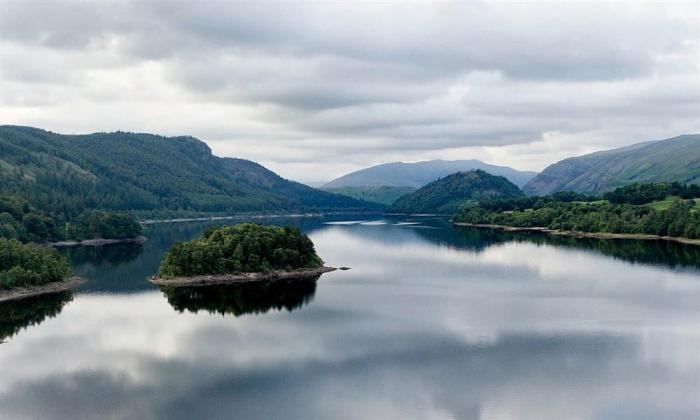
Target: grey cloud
[374, 78]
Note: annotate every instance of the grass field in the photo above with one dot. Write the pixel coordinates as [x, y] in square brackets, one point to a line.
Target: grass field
[668, 201]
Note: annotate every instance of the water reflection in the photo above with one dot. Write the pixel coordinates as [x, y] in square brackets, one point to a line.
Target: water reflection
[123, 268]
[237, 300]
[115, 254]
[663, 253]
[19, 314]
[439, 231]
[431, 322]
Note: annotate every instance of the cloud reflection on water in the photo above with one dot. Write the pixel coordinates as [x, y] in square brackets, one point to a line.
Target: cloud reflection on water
[419, 328]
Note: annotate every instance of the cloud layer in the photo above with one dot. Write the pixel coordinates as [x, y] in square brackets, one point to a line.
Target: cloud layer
[314, 89]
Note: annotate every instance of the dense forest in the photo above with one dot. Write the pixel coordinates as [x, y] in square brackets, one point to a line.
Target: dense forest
[99, 224]
[245, 247]
[20, 220]
[146, 175]
[646, 193]
[448, 194]
[23, 265]
[615, 215]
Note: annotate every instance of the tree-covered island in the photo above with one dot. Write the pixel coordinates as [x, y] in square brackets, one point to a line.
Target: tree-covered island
[646, 211]
[241, 253]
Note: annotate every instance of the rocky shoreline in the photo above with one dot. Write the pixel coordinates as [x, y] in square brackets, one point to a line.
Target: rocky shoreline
[55, 287]
[98, 242]
[223, 279]
[580, 234]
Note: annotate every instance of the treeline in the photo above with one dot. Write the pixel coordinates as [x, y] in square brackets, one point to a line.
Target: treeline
[523, 203]
[679, 220]
[23, 265]
[21, 221]
[647, 193]
[242, 248]
[98, 224]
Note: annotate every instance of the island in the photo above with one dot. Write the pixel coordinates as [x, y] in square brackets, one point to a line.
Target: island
[243, 253]
[662, 211]
[28, 270]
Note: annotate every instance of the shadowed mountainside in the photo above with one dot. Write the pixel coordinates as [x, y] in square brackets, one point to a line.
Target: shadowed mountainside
[676, 159]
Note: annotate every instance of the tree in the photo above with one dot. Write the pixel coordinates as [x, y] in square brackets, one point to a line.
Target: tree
[245, 247]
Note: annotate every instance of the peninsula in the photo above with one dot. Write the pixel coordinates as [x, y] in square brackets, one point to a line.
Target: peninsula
[32, 270]
[662, 211]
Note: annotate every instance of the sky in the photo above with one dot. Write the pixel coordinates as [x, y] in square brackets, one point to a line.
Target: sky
[317, 89]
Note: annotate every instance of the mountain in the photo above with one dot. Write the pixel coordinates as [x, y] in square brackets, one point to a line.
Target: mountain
[675, 159]
[147, 175]
[416, 175]
[384, 194]
[448, 194]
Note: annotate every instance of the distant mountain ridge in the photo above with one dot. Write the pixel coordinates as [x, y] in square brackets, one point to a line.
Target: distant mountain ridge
[146, 174]
[418, 174]
[448, 194]
[384, 195]
[675, 159]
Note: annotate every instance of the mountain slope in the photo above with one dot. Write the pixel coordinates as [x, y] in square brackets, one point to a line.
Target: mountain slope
[383, 195]
[416, 175]
[675, 159]
[446, 195]
[146, 174]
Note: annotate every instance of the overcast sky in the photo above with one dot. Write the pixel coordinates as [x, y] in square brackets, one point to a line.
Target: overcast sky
[316, 89]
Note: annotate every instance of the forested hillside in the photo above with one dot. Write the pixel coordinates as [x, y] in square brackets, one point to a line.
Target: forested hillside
[672, 160]
[447, 195]
[146, 175]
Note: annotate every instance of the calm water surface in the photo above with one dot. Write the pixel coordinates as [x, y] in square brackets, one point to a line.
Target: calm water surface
[431, 322]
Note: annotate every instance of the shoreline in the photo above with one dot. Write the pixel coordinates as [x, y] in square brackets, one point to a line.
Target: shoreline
[98, 242]
[417, 214]
[580, 234]
[251, 216]
[46, 289]
[227, 279]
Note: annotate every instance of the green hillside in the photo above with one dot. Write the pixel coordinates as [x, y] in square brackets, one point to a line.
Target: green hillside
[672, 160]
[146, 175]
[448, 194]
[383, 195]
[419, 174]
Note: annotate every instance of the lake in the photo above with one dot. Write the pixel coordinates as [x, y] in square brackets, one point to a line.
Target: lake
[431, 322]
